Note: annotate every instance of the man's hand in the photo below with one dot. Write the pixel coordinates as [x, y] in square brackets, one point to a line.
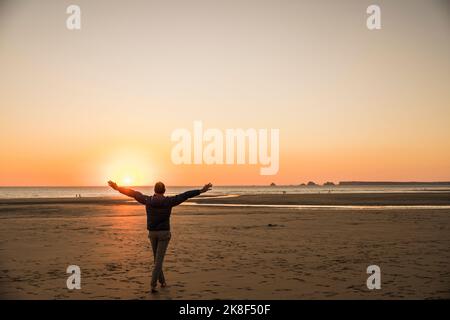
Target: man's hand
[206, 187]
[113, 185]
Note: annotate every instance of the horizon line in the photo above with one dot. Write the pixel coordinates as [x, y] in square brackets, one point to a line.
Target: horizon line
[342, 183]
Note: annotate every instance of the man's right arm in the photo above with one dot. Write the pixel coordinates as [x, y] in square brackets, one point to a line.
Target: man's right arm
[139, 197]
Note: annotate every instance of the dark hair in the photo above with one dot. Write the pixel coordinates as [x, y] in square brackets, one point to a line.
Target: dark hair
[160, 187]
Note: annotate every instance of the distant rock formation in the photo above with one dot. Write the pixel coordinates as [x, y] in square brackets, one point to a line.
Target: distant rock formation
[329, 183]
[311, 183]
[273, 184]
[393, 183]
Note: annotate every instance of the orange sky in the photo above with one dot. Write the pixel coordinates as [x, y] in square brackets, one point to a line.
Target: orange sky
[80, 107]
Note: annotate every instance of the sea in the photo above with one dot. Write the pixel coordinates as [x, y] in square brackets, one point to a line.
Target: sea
[105, 191]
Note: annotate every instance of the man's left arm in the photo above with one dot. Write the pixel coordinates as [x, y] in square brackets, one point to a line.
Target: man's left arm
[182, 197]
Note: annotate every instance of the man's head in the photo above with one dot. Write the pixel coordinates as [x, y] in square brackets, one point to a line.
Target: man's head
[160, 188]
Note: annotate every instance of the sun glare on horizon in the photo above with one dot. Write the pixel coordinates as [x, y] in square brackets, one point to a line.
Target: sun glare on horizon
[127, 180]
[129, 168]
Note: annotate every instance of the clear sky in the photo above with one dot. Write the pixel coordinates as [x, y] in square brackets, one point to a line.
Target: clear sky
[79, 107]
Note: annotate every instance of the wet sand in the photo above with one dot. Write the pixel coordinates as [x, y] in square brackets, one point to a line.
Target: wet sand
[223, 252]
[353, 199]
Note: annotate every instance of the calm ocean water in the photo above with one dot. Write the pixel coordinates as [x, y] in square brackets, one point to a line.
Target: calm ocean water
[68, 192]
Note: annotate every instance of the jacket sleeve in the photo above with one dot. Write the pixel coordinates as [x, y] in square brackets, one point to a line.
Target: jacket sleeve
[139, 197]
[182, 197]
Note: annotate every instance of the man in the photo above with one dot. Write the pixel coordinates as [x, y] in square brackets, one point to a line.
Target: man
[159, 208]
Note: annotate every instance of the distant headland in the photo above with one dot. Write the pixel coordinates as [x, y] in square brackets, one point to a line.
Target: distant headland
[373, 183]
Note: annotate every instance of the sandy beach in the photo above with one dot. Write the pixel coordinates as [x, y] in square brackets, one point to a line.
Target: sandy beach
[228, 252]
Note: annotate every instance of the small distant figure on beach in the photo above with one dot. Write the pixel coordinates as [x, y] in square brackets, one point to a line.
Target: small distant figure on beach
[159, 208]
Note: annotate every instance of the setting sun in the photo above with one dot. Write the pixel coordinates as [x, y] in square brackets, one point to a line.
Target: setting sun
[127, 180]
[129, 167]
